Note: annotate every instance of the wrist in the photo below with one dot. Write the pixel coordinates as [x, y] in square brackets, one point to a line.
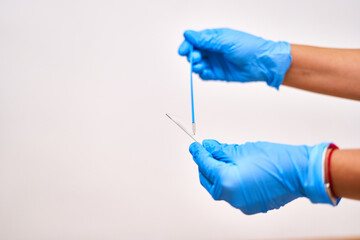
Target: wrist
[277, 62]
[328, 161]
[314, 184]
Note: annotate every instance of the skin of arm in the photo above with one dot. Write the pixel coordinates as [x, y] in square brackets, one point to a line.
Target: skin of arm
[328, 71]
[334, 72]
[345, 172]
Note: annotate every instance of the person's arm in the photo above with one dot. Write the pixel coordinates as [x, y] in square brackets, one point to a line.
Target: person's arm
[345, 172]
[328, 71]
[231, 55]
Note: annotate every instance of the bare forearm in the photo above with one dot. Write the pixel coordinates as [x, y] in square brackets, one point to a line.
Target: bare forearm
[328, 71]
[345, 171]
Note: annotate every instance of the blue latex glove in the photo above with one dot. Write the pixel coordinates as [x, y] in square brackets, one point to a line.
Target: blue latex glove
[257, 177]
[230, 55]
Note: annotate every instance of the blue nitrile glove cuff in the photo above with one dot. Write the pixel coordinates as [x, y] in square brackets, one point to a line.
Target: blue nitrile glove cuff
[314, 185]
[277, 60]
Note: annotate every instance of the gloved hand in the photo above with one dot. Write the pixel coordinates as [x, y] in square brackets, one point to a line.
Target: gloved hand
[257, 177]
[230, 55]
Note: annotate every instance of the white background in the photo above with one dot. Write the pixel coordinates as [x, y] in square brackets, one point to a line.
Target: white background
[86, 151]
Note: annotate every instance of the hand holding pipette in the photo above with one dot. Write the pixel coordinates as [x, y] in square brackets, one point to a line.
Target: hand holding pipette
[231, 55]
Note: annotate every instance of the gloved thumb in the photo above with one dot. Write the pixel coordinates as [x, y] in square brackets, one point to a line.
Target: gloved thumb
[203, 40]
[207, 164]
[198, 151]
[212, 146]
[217, 150]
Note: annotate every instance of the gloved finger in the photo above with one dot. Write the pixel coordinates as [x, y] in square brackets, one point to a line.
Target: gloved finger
[207, 164]
[204, 40]
[205, 182]
[195, 55]
[185, 48]
[200, 66]
[207, 74]
[218, 150]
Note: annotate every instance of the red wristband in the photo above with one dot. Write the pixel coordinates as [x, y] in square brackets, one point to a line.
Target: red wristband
[332, 148]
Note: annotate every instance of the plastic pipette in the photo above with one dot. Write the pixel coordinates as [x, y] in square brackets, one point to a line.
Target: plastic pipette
[192, 94]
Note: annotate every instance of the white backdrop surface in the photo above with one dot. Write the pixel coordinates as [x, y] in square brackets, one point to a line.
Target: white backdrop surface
[86, 151]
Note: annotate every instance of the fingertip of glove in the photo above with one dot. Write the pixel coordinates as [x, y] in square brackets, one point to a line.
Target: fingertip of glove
[180, 51]
[190, 36]
[207, 75]
[184, 48]
[195, 56]
[198, 68]
[188, 33]
[194, 148]
[210, 144]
